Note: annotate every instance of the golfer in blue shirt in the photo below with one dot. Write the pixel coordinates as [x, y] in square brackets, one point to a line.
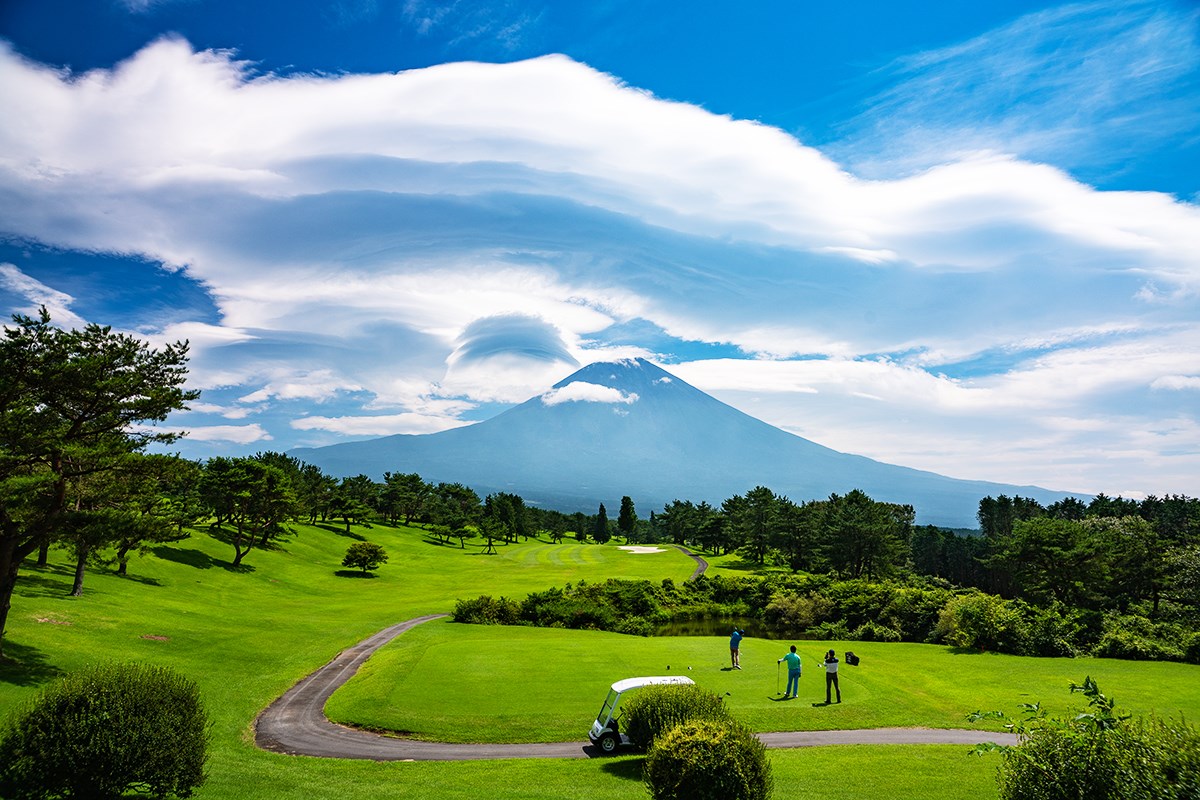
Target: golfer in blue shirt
[735, 642]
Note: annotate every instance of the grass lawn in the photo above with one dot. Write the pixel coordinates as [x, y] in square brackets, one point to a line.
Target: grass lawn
[246, 636]
[444, 681]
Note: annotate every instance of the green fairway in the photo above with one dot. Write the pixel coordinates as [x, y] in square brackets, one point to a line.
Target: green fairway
[448, 682]
[246, 636]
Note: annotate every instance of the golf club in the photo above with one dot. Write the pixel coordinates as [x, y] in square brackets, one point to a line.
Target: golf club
[776, 677]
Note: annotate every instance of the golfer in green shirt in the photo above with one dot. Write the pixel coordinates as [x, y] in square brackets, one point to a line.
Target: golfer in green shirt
[793, 662]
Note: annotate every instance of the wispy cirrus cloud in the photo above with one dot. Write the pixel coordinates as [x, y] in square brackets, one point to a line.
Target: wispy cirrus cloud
[1083, 85]
[36, 295]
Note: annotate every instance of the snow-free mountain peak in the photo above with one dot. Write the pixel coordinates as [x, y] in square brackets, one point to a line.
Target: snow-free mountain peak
[631, 428]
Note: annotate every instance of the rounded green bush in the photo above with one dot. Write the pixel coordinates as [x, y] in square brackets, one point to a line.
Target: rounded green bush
[708, 760]
[653, 710]
[105, 730]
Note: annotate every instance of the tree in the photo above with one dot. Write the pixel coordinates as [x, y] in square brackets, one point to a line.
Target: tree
[754, 521]
[364, 555]
[404, 495]
[510, 513]
[799, 532]
[600, 532]
[353, 500]
[454, 505]
[72, 404]
[314, 492]
[1135, 558]
[866, 538]
[1055, 559]
[627, 517]
[490, 530]
[255, 498]
[122, 508]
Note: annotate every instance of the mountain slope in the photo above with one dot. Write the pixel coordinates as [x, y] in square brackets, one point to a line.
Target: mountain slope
[631, 428]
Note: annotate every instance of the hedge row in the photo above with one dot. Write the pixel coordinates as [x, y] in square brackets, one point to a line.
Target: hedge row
[919, 610]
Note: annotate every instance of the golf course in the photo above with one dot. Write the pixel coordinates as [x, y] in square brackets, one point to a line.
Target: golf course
[247, 635]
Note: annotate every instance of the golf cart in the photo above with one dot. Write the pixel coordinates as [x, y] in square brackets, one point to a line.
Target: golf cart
[605, 732]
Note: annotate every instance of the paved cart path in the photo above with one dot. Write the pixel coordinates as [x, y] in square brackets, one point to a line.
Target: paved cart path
[296, 724]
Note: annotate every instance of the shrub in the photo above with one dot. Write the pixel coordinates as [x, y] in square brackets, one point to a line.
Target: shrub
[1191, 653]
[1139, 639]
[655, 709]
[798, 613]
[635, 626]
[982, 622]
[1100, 755]
[708, 760]
[485, 610]
[104, 730]
[1056, 630]
[831, 631]
[875, 632]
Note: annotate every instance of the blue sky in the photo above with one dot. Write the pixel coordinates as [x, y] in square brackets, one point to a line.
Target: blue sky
[958, 237]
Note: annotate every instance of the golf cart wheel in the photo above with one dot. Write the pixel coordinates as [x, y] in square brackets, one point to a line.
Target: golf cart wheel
[608, 742]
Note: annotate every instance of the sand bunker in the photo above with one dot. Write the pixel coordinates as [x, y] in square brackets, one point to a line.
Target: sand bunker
[641, 548]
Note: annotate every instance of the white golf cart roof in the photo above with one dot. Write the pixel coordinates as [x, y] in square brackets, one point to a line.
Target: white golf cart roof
[626, 684]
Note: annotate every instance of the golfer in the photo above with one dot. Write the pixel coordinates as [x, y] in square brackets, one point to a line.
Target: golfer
[735, 643]
[793, 687]
[831, 679]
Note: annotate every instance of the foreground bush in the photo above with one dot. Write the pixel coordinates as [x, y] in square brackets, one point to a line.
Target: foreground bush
[1101, 755]
[708, 760]
[105, 730]
[653, 710]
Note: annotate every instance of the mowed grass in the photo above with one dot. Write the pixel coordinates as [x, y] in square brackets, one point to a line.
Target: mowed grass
[445, 681]
[247, 636]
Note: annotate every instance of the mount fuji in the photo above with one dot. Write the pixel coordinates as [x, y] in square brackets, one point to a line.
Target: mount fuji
[631, 428]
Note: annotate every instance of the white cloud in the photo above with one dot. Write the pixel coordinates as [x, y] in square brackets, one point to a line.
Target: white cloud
[379, 425]
[426, 241]
[236, 412]
[582, 391]
[235, 434]
[1176, 382]
[39, 294]
[319, 385]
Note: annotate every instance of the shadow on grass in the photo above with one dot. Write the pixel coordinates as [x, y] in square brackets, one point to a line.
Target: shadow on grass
[23, 665]
[741, 565]
[628, 768]
[354, 573]
[49, 581]
[142, 579]
[188, 556]
[971, 651]
[195, 558]
[340, 530]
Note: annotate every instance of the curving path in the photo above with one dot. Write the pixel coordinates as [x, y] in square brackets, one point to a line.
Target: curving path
[701, 564]
[295, 724]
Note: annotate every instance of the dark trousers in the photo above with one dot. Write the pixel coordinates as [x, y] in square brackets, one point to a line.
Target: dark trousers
[831, 681]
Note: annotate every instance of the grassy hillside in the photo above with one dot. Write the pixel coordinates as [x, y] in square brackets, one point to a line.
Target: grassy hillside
[246, 636]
